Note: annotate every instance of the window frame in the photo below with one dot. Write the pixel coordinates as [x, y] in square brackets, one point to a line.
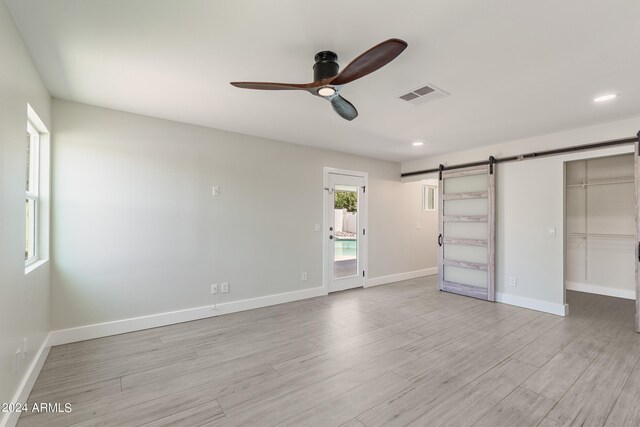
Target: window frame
[425, 197]
[33, 193]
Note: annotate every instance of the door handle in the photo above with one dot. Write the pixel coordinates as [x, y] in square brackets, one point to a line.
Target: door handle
[331, 237]
[440, 240]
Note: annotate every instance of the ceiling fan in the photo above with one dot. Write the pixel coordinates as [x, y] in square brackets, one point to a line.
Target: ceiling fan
[327, 82]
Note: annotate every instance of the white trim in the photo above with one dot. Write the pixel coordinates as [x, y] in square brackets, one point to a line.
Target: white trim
[533, 304]
[98, 330]
[21, 395]
[383, 280]
[34, 265]
[601, 290]
[338, 171]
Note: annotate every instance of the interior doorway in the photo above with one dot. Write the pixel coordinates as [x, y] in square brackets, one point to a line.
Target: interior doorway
[600, 231]
[344, 229]
[602, 227]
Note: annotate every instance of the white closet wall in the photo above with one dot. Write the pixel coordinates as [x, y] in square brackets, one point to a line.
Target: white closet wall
[600, 226]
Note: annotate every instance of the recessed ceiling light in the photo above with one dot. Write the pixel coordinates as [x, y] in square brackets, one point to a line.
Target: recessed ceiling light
[326, 91]
[417, 143]
[607, 97]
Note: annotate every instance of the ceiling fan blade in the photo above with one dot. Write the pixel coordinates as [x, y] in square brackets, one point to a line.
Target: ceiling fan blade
[344, 108]
[370, 61]
[273, 86]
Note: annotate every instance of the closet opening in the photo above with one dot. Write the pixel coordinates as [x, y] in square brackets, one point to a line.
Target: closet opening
[600, 226]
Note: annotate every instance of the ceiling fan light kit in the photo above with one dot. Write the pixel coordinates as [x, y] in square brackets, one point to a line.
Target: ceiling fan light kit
[326, 91]
[327, 81]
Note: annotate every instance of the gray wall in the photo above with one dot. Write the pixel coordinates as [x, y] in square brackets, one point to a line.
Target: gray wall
[137, 232]
[24, 299]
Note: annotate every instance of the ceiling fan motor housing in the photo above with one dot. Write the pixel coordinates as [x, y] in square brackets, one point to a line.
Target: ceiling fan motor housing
[325, 66]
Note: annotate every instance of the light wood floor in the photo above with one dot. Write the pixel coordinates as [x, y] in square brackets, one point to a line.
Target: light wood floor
[395, 355]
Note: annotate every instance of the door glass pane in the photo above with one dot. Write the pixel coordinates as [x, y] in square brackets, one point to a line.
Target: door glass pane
[345, 263]
[428, 198]
[30, 221]
[466, 207]
[28, 188]
[477, 254]
[465, 230]
[465, 276]
[466, 184]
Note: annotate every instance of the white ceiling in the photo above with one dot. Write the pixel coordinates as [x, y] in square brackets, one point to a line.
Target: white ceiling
[514, 68]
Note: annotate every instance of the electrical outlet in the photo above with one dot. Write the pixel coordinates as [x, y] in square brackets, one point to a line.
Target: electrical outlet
[304, 276]
[225, 287]
[513, 281]
[215, 191]
[24, 347]
[551, 231]
[214, 288]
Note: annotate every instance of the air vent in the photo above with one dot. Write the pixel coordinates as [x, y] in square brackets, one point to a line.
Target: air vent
[424, 93]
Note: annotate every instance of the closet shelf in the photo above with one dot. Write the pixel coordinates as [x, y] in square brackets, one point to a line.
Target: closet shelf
[601, 236]
[601, 181]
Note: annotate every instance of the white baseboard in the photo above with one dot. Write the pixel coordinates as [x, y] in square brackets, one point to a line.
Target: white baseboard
[65, 336]
[533, 304]
[21, 395]
[98, 330]
[601, 290]
[383, 280]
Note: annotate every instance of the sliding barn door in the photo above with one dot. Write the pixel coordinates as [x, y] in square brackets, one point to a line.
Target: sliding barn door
[467, 232]
[637, 179]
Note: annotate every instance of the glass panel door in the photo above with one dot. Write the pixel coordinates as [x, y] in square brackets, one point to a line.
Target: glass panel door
[345, 234]
[466, 241]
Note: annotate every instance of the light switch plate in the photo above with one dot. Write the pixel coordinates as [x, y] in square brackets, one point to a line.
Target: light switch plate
[215, 191]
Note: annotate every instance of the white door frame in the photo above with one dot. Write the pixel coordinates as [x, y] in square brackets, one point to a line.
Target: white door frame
[596, 154]
[327, 267]
[636, 163]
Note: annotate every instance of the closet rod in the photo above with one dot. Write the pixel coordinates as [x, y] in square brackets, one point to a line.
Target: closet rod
[533, 155]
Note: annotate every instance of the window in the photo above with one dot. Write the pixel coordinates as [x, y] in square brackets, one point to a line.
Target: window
[428, 198]
[32, 195]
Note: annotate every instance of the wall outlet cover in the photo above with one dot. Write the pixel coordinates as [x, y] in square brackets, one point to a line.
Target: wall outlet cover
[224, 287]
